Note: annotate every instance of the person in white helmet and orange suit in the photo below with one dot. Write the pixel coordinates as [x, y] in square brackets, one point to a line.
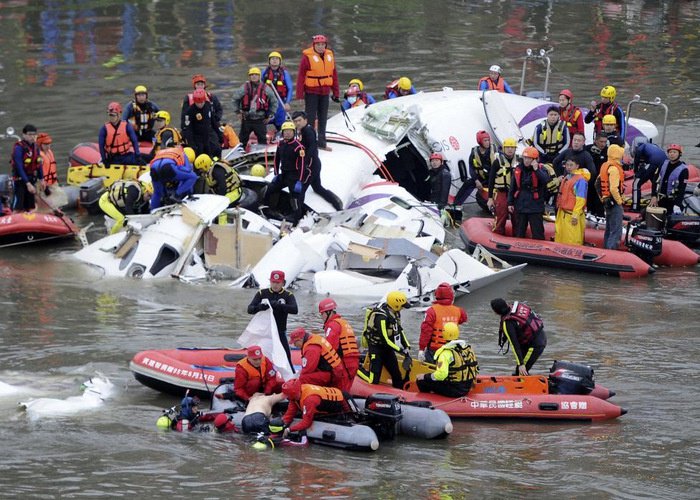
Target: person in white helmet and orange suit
[494, 81]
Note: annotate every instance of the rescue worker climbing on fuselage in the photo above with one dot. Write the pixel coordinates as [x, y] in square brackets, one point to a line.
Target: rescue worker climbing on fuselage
[442, 311]
[172, 175]
[218, 177]
[399, 87]
[494, 81]
[124, 198]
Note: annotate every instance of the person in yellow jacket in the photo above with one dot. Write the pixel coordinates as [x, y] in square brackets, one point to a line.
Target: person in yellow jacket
[125, 198]
[610, 185]
[456, 367]
[570, 224]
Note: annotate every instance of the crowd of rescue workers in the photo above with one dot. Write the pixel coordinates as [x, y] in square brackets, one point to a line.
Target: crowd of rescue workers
[557, 167]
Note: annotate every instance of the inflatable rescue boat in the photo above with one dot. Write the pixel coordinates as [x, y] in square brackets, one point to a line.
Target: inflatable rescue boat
[22, 228]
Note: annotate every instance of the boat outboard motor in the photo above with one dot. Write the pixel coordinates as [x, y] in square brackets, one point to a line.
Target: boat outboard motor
[383, 413]
[5, 191]
[683, 228]
[644, 243]
[570, 378]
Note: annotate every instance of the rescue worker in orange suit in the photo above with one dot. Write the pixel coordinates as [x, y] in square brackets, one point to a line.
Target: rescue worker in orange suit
[570, 114]
[481, 158]
[668, 190]
[608, 106]
[570, 224]
[551, 137]
[440, 180]
[172, 176]
[256, 104]
[437, 315]
[117, 138]
[256, 373]
[341, 337]
[494, 81]
[141, 113]
[201, 130]
[317, 79]
[27, 172]
[310, 400]
[48, 160]
[456, 367]
[526, 195]
[610, 187]
[610, 130]
[291, 171]
[384, 337]
[523, 330]
[320, 364]
[283, 304]
[499, 182]
[599, 152]
[200, 82]
[278, 78]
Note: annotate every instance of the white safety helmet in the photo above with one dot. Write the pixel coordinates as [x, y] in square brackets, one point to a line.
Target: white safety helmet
[495, 68]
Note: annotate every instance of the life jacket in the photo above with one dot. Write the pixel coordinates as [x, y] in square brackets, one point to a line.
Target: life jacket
[551, 140]
[331, 397]
[464, 368]
[48, 165]
[567, 198]
[177, 138]
[505, 169]
[374, 336]
[362, 100]
[275, 79]
[258, 95]
[143, 116]
[176, 154]
[320, 73]
[500, 85]
[31, 159]
[602, 183]
[347, 344]
[252, 371]
[329, 358]
[392, 87]
[443, 314]
[117, 141]
[482, 171]
[570, 116]
[553, 183]
[118, 191]
[672, 184]
[606, 109]
[190, 98]
[530, 323]
[518, 172]
[233, 180]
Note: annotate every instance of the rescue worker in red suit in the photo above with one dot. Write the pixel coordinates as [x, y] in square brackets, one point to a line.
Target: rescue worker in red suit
[499, 182]
[317, 79]
[526, 195]
[570, 114]
[523, 330]
[341, 337]
[27, 172]
[310, 400]
[256, 373]
[116, 139]
[442, 311]
[320, 363]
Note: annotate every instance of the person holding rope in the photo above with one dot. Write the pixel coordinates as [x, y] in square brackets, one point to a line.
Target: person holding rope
[278, 79]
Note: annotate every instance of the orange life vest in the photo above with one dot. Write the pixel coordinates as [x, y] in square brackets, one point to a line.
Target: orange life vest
[497, 86]
[252, 371]
[328, 354]
[443, 314]
[176, 154]
[330, 394]
[320, 73]
[604, 179]
[48, 166]
[566, 200]
[177, 137]
[347, 345]
[190, 97]
[117, 141]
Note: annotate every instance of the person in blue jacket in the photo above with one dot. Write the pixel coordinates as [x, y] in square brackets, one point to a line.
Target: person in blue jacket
[648, 159]
[172, 176]
[356, 96]
[27, 172]
[400, 87]
[278, 78]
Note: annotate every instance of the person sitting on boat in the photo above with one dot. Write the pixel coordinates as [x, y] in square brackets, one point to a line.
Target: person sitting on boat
[356, 96]
[256, 104]
[668, 190]
[610, 130]
[218, 177]
[310, 400]
[141, 112]
[341, 337]
[570, 224]
[648, 159]
[165, 135]
[172, 175]
[200, 82]
[27, 171]
[117, 138]
[384, 337]
[608, 106]
[124, 198]
[499, 182]
[456, 370]
[570, 114]
[551, 137]
[526, 195]
[48, 160]
[610, 187]
[441, 312]
[201, 130]
[283, 303]
[291, 171]
[440, 180]
[481, 158]
[599, 152]
[278, 78]
[399, 87]
[494, 81]
[256, 373]
[523, 330]
[320, 364]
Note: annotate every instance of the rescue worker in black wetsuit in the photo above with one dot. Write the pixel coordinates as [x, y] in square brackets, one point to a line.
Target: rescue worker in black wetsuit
[201, 129]
[440, 180]
[523, 330]
[526, 195]
[218, 177]
[141, 112]
[481, 158]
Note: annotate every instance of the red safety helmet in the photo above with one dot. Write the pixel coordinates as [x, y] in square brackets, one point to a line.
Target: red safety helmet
[297, 334]
[114, 107]
[566, 92]
[677, 147]
[199, 95]
[530, 152]
[292, 388]
[327, 305]
[255, 352]
[220, 421]
[277, 277]
[198, 78]
[436, 156]
[444, 291]
[481, 135]
[320, 39]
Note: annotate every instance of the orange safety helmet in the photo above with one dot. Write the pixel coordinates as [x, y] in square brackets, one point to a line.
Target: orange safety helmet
[530, 152]
[198, 78]
[436, 156]
[114, 107]
[327, 305]
[43, 138]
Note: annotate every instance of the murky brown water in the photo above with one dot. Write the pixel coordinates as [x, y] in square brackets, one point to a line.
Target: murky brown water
[61, 62]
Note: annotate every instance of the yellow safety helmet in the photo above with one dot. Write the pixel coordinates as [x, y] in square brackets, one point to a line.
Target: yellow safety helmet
[203, 162]
[609, 120]
[274, 53]
[258, 170]
[254, 71]
[358, 82]
[140, 89]
[450, 331]
[405, 83]
[510, 143]
[396, 300]
[190, 154]
[163, 115]
[609, 92]
[288, 126]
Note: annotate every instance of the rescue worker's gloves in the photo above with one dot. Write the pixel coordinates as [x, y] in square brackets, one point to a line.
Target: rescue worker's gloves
[298, 187]
[421, 355]
[335, 98]
[262, 307]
